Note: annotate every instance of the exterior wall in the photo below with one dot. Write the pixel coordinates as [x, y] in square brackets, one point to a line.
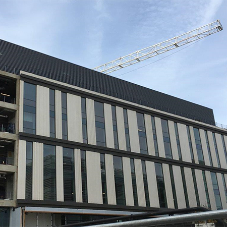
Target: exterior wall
[94, 184]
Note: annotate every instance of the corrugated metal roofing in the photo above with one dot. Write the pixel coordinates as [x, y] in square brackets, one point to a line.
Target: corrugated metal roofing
[14, 58]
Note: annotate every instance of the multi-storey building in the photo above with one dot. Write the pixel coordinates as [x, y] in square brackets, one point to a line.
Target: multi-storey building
[80, 145]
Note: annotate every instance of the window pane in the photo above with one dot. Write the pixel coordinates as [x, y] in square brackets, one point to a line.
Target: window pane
[49, 173]
[119, 180]
[68, 174]
[29, 164]
[84, 176]
[103, 177]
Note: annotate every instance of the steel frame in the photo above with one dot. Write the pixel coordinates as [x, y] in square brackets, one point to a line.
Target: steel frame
[160, 48]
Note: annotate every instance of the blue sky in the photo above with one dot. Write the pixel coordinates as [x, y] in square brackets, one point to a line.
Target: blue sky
[93, 32]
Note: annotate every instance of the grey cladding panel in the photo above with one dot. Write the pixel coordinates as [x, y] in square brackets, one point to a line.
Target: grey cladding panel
[14, 58]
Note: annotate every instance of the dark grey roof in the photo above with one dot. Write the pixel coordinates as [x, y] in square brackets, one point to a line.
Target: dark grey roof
[14, 58]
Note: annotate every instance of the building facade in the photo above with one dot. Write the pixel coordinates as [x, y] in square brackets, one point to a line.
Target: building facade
[78, 145]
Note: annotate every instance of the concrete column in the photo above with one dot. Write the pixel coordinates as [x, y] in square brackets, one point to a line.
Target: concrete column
[120, 128]
[58, 114]
[59, 173]
[133, 131]
[179, 187]
[184, 143]
[37, 173]
[222, 190]
[108, 125]
[201, 188]
[190, 187]
[204, 147]
[140, 183]
[212, 149]
[161, 147]
[110, 182]
[74, 118]
[21, 186]
[78, 178]
[152, 184]
[128, 182]
[21, 106]
[149, 132]
[43, 111]
[94, 181]
[168, 187]
[91, 121]
[221, 151]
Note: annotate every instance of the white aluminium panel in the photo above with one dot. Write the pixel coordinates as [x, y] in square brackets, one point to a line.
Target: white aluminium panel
[149, 133]
[161, 147]
[59, 174]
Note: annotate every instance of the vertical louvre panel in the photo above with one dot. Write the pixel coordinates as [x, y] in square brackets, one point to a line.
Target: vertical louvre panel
[121, 129]
[78, 176]
[149, 131]
[21, 104]
[108, 125]
[59, 173]
[91, 121]
[21, 187]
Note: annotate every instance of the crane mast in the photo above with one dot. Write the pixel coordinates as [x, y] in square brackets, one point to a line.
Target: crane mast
[160, 48]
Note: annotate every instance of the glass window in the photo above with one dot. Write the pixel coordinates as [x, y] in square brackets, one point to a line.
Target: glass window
[100, 124]
[84, 120]
[216, 190]
[119, 180]
[134, 187]
[52, 113]
[216, 150]
[154, 136]
[84, 175]
[127, 137]
[103, 177]
[68, 174]
[178, 141]
[225, 186]
[114, 118]
[142, 133]
[184, 186]
[64, 116]
[196, 188]
[29, 165]
[173, 187]
[190, 144]
[145, 184]
[224, 147]
[206, 189]
[49, 172]
[198, 146]
[208, 148]
[29, 123]
[161, 185]
[166, 139]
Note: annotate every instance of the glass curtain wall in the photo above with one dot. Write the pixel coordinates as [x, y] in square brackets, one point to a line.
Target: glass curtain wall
[142, 133]
[216, 190]
[224, 147]
[161, 185]
[190, 144]
[69, 174]
[84, 119]
[103, 177]
[145, 184]
[198, 146]
[52, 114]
[178, 141]
[84, 175]
[114, 118]
[49, 172]
[127, 137]
[166, 139]
[119, 180]
[208, 148]
[29, 122]
[134, 187]
[100, 124]
[64, 116]
[29, 165]
[154, 136]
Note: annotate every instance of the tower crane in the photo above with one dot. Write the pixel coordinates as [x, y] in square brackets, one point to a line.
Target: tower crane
[160, 48]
